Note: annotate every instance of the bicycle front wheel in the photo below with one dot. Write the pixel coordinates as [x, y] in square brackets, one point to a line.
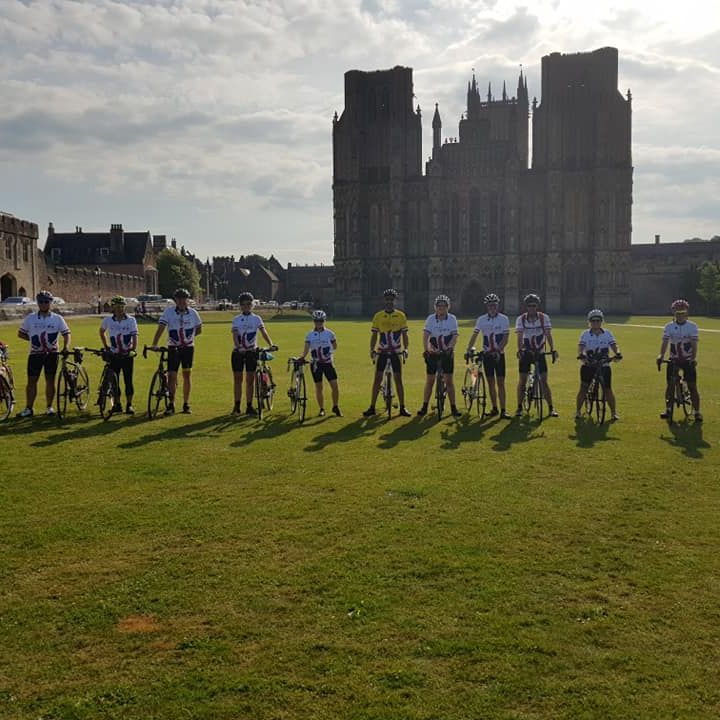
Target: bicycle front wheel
[107, 393]
[61, 394]
[439, 395]
[600, 402]
[539, 398]
[301, 398]
[480, 395]
[259, 394]
[158, 396]
[7, 399]
[82, 388]
[683, 397]
[468, 389]
[529, 392]
[387, 394]
[269, 391]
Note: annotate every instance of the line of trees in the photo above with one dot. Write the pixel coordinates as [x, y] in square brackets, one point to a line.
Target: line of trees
[708, 286]
[176, 271]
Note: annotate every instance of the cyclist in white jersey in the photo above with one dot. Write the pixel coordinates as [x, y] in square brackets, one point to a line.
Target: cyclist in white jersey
[42, 329]
[495, 329]
[682, 336]
[533, 330]
[122, 331]
[244, 357]
[440, 336]
[594, 346]
[183, 325]
[321, 343]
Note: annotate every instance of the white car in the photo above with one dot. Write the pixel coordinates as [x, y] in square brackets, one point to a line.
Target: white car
[58, 301]
[18, 300]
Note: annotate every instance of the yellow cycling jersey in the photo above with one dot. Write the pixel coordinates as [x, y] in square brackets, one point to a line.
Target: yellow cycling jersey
[391, 326]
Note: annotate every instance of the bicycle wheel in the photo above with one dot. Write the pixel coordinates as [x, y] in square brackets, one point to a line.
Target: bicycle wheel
[539, 398]
[61, 393]
[292, 392]
[387, 394]
[269, 397]
[82, 388]
[529, 392]
[107, 393]
[683, 397]
[259, 403]
[439, 395]
[589, 401]
[301, 397]
[481, 395]
[600, 402]
[157, 396]
[468, 389]
[7, 398]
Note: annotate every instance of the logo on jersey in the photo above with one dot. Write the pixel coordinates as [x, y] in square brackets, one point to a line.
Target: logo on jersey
[44, 342]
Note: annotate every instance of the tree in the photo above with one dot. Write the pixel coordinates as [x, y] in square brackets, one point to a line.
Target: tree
[709, 287]
[175, 271]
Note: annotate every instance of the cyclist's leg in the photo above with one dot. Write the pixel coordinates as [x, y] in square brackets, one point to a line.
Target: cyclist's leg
[250, 367]
[173, 365]
[317, 375]
[431, 369]
[450, 387]
[523, 370]
[172, 384]
[609, 394]
[377, 379]
[397, 376]
[128, 368]
[33, 375]
[499, 373]
[116, 364]
[546, 389]
[237, 364]
[493, 391]
[51, 363]
[582, 392]
[690, 375]
[331, 375]
[237, 387]
[187, 363]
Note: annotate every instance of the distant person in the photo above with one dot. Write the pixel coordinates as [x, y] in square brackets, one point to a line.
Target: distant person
[682, 335]
[440, 336]
[244, 358]
[322, 344]
[495, 329]
[42, 329]
[388, 341]
[183, 324]
[119, 336]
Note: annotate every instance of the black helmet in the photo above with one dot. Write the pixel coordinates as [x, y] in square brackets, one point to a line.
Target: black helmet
[181, 293]
[390, 292]
[44, 296]
[246, 297]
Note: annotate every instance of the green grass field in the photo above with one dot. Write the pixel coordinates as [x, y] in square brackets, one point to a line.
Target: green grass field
[210, 567]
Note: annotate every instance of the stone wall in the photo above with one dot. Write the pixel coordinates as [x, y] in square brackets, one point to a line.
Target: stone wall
[81, 285]
[18, 256]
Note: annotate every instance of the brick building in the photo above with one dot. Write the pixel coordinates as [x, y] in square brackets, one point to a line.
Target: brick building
[19, 258]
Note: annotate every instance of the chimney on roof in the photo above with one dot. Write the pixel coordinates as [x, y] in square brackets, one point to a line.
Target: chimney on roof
[657, 239]
[173, 244]
[117, 239]
[51, 230]
[159, 243]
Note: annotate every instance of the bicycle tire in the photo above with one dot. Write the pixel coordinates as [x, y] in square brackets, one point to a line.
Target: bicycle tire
[481, 395]
[301, 397]
[269, 391]
[468, 389]
[82, 388]
[683, 397]
[529, 391]
[387, 394]
[108, 393]
[539, 399]
[7, 398]
[600, 402]
[157, 395]
[258, 393]
[293, 392]
[439, 395]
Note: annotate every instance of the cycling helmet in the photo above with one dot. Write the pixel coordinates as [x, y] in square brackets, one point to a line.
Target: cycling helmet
[117, 300]
[181, 293]
[245, 297]
[595, 313]
[390, 292]
[680, 304]
[491, 298]
[44, 296]
[319, 315]
[532, 298]
[442, 300]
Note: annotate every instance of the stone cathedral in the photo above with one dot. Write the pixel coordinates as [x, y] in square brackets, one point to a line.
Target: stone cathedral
[482, 217]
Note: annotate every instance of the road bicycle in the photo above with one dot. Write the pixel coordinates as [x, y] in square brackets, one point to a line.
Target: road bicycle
[296, 390]
[473, 389]
[595, 400]
[534, 393]
[264, 385]
[159, 393]
[677, 397]
[73, 384]
[7, 385]
[386, 385]
[440, 389]
[109, 388]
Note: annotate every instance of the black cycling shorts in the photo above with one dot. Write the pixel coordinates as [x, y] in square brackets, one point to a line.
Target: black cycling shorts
[587, 373]
[124, 364]
[39, 361]
[689, 371]
[526, 360]
[494, 364]
[247, 361]
[381, 359]
[445, 361]
[178, 356]
[320, 369]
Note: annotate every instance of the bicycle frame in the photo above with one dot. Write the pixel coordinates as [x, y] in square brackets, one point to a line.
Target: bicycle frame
[534, 393]
[297, 390]
[473, 389]
[159, 393]
[7, 386]
[73, 383]
[386, 384]
[264, 385]
[678, 390]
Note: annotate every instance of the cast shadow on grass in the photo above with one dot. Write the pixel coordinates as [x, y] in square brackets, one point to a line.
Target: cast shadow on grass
[204, 428]
[466, 430]
[76, 427]
[265, 430]
[356, 429]
[587, 433]
[405, 432]
[688, 437]
[520, 430]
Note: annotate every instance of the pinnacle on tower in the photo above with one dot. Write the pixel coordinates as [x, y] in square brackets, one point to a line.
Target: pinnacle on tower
[489, 97]
[504, 95]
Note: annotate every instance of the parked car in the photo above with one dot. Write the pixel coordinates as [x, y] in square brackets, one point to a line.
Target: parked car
[58, 301]
[18, 300]
[224, 304]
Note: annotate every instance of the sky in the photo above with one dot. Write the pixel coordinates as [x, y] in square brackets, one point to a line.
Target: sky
[210, 120]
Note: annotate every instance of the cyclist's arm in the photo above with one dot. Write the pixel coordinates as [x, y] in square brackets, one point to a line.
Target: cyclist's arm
[503, 343]
[581, 351]
[334, 344]
[551, 342]
[66, 340]
[158, 333]
[453, 343]
[23, 334]
[265, 335]
[103, 338]
[405, 339]
[305, 351]
[426, 341]
[133, 342]
[614, 347]
[663, 348]
[198, 330]
[519, 335]
[694, 343]
[373, 339]
[471, 341]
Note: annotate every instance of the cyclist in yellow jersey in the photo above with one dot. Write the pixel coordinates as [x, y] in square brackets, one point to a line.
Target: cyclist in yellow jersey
[390, 334]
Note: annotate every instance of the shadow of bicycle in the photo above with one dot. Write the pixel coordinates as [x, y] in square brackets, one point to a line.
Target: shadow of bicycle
[587, 433]
[519, 430]
[687, 437]
[212, 427]
[362, 427]
[467, 429]
[405, 432]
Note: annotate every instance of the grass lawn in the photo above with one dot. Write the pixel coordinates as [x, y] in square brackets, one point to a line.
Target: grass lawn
[211, 567]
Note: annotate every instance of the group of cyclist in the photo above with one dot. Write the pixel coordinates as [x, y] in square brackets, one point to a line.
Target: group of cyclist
[389, 343]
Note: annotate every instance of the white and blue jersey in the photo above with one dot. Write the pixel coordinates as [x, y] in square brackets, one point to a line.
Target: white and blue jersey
[182, 326]
[494, 330]
[120, 332]
[245, 328]
[43, 331]
[681, 337]
[596, 345]
[441, 330]
[533, 332]
[321, 345]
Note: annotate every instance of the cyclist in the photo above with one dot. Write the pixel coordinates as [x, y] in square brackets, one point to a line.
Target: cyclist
[244, 357]
[595, 345]
[123, 333]
[183, 325]
[389, 332]
[495, 329]
[42, 329]
[440, 336]
[533, 330]
[682, 336]
[321, 344]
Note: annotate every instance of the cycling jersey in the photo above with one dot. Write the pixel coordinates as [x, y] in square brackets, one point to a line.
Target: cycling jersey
[245, 327]
[391, 326]
[43, 331]
[599, 344]
[681, 337]
[181, 326]
[441, 330]
[121, 332]
[533, 331]
[321, 345]
[493, 330]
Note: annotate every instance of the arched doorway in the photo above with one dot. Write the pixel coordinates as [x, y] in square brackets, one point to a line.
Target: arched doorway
[8, 286]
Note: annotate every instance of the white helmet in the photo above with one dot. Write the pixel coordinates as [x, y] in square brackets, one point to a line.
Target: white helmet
[595, 313]
[319, 315]
[442, 299]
